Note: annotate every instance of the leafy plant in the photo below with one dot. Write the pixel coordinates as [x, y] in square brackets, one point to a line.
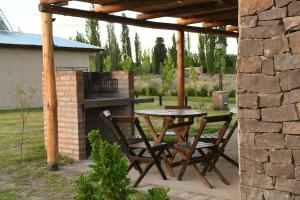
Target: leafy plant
[203, 91]
[191, 91]
[157, 194]
[167, 72]
[232, 93]
[107, 179]
[214, 88]
[23, 97]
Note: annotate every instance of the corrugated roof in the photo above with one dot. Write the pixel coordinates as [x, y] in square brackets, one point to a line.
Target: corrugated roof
[8, 38]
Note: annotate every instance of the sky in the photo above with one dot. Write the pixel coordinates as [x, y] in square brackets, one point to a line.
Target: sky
[23, 15]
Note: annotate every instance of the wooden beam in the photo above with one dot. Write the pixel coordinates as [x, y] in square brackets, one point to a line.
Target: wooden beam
[50, 92]
[130, 21]
[219, 23]
[232, 28]
[180, 67]
[205, 18]
[53, 1]
[128, 5]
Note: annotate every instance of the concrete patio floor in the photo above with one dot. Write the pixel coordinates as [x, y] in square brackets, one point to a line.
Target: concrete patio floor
[190, 188]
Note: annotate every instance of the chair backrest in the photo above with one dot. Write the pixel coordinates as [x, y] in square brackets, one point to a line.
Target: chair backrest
[225, 119]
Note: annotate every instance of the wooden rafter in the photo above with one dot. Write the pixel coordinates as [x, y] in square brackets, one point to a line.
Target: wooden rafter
[232, 28]
[219, 23]
[130, 21]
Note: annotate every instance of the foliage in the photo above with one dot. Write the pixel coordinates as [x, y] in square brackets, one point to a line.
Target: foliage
[112, 48]
[107, 64]
[203, 91]
[127, 64]
[146, 63]
[230, 64]
[232, 93]
[167, 72]
[107, 179]
[173, 51]
[214, 88]
[125, 41]
[79, 37]
[159, 54]
[157, 194]
[152, 90]
[194, 76]
[23, 98]
[191, 91]
[138, 50]
[201, 49]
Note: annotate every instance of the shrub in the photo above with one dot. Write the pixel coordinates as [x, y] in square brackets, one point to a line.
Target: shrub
[232, 93]
[203, 91]
[152, 91]
[174, 93]
[157, 194]
[214, 88]
[107, 179]
[191, 91]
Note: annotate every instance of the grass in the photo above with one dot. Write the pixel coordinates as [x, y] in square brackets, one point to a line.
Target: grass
[31, 178]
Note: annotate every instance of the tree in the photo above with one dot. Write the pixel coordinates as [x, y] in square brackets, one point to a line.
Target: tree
[112, 48]
[80, 38]
[125, 41]
[167, 72]
[159, 54]
[138, 50]
[210, 54]
[202, 50]
[173, 51]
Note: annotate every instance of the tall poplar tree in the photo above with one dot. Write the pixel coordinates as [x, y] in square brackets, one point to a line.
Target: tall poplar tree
[125, 41]
[173, 51]
[138, 50]
[160, 54]
[112, 49]
[201, 49]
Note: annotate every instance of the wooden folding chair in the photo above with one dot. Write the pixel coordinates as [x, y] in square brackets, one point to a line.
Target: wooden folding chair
[212, 138]
[135, 148]
[207, 152]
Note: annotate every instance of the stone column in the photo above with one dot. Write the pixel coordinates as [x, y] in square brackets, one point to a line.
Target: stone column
[268, 97]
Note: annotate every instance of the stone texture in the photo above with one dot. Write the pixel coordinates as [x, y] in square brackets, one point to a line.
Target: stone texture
[275, 46]
[251, 193]
[269, 100]
[248, 100]
[249, 64]
[291, 128]
[250, 7]
[294, 8]
[257, 155]
[257, 180]
[292, 96]
[291, 23]
[281, 3]
[294, 40]
[276, 195]
[249, 114]
[247, 139]
[249, 21]
[286, 62]
[268, 66]
[270, 141]
[283, 156]
[292, 141]
[262, 32]
[269, 23]
[275, 13]
[279, 114]
[279, 170]
[296, 156]
[251, 166]
[251, 47]
[297, 173]
[258, 83]
[289, 185]
[250, 125]
[290, 79]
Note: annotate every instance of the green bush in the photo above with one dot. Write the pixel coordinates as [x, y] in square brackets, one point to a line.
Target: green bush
[214, 88]
[152, 91]
[107, 179]
[191, 91]
[232, 93]
[203, 91]
[157, 194]
[174, 93]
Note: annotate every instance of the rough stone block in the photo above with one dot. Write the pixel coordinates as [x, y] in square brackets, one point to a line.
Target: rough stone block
[283, 156]
[251, 193]
[292, 96]
[258, 83]
[247, 139]
[276, 22]
[288, 185]
[296, 156]
[249, 114]
[279, 114]
[294, 8]
[254, 6]
[257, 180]
[262, 32]
[250, 125]
[275, 13]
[291, 23]
[258, 155]
[275, 46]
[249, 21]
[286, 62]
[251, 47]
[269, 141]
[276, 195]
[248, 100]
[279, 170]
[297, 173]
[294, 40]
[292, 141]
[249, 64]
[248, 165]
[269, 100]
[290, 79]
[281, 3]
[268, 67]
[291, 128]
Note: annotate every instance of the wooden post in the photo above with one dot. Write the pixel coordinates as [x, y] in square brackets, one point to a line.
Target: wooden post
[180, 67]
[50, 92]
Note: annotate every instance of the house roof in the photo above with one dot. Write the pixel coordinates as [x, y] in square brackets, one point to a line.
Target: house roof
[18, 39]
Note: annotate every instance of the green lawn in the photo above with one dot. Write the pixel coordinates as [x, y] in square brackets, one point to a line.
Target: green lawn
[31, 178]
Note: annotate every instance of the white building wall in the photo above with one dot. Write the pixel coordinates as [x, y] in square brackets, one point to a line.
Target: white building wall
[22, 67]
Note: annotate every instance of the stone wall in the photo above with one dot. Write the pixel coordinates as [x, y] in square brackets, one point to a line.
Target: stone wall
[268, 85]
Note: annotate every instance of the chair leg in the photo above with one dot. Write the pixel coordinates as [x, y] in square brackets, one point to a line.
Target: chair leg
[230, 160]
[223, 179]
[202, 178]
[181, 173]
[158, 164]
[137, 182]
[136, 165]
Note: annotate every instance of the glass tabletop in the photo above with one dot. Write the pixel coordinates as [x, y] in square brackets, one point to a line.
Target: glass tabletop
[171, 112]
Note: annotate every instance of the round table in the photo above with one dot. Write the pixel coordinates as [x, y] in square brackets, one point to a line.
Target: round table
[172, 113]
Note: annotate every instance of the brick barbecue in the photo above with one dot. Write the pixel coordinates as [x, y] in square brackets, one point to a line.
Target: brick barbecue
[81, 97]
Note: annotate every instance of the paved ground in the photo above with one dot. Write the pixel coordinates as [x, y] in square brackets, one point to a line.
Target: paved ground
[190, 188]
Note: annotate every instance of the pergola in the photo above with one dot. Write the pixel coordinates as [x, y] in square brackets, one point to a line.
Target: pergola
[211, 13]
